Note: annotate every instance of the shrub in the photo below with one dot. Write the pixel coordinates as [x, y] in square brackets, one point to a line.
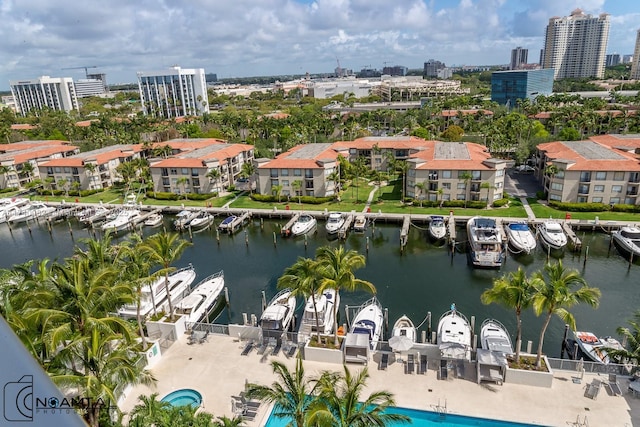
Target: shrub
[198, 196]
[453, 204]
[579, 207]
[500, 202]
[9, 189]
[158, 195]
[476, 204]
[541, 195]
[85, 193]
[626, 208]
[231, 188]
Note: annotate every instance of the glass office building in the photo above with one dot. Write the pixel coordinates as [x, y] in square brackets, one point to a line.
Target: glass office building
[509, 86]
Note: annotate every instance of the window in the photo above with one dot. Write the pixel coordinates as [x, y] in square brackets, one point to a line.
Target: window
[461, 174]
[618, 176]
[598, 188]
[581, 199]
[500, 172]
[185, 171]
[597, 200]
[165, 182]
[49, 171]
[583, 189]
[462, 185]
[285, 182]
[308, 184]
[556, 186]
[498, 185]
[585, 176]
[165, 172]
[614, 200]
[194, 172]
[446, 185]
[433, 175]
[174, 171]
[616, 188]
[446, 174]
[310, 193]
[274, 173]
[629, 201]
[74, 171]
[411, 172]
[446, 197]
[274, 182]
[196, 182]
[284, 172]
[308, 173]
[57, 169]
[67, 170]
[460, 196]
[555, 197]
[601, 176]
[476, 175]
[560, 173]
[297, 172]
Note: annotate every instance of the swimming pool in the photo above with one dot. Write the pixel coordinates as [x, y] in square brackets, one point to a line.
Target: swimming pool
[183, 397]
[425, 419]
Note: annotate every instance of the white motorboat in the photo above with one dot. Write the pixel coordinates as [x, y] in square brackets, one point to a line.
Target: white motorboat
[155, 294]
[126, 218]
[334, 222]
[277, 316]
[593, 347]
[153, 220]
[494, 337]
[304, 225]
[404, 327]
[520, 237]
[437, 227]
[202, 298]
[627, 241]
[552, 235]
[324, 321]
[9, 207]
[227, 224]
[369, 320]
[454, 335]
[202, 220]
[92, 215]
[485, 242]
[183, 218]
[360, 224]
[31, 211]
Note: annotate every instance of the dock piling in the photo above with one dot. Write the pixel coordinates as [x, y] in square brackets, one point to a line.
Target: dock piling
[367, 244]
[274, 240]
[246, 238]
[586, 256]
[563, 347]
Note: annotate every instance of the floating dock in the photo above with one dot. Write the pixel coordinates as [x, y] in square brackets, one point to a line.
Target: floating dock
[286, 230]
[344, 230]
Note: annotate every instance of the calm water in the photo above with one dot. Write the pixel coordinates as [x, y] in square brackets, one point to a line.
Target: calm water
[424, 278]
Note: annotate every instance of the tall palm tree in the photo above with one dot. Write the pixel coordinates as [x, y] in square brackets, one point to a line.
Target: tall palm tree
[4, 171]
[183, 181]
[297, 186]
[631, 335]
[337, 266]
[422, 187]
[214, 175]
[466, 177]
[514, 291]
[554, 294]
[148, 411]
[340, 402]
[290, 392]
[164, 249]
[276, 190]
[248, 171]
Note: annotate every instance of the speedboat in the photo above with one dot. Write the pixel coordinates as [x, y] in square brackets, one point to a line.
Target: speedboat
[318, 318]
[183, 218]
[360, 224]
[227, 224]
[277, 316]
[369, 321]
[202, 220]
[437, 227]
[520, 237]
[154, 296]
[494, 337]
[485, 241]
[334, 222]
[126, 218]
[91, 215]
[551, 235]
[404, 327]
[153, 220]
[31, 211]
[305, 224]
[627, 241]
[593, 347]
[454, 335]
[9, 207]
[202, 298]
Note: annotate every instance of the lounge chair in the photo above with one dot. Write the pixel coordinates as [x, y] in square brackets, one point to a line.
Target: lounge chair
[444, 370]
[409, 367]
[614, 386]
[247, 349]
[423, 364]
[277, 348]
[203, 338]
[593, 389]
[262, 347]
[384, 362]
[291, 350]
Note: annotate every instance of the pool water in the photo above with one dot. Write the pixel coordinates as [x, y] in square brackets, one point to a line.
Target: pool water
[425, 419]
[183, 397]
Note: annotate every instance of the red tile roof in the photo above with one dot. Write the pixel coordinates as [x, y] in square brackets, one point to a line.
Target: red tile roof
[630, 162]
[477, 155]
[367, 143]
[25, 145]
[20, 157]
[286, 161]
[455, 113]
[179, 163]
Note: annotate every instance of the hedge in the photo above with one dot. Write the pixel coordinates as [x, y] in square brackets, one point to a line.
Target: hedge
[626, 208]
[500, 202]
[268, 198]
[578, 207]
[159, 195]
[9, 189]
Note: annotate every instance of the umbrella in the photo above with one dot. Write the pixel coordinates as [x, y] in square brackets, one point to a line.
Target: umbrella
[400, 343]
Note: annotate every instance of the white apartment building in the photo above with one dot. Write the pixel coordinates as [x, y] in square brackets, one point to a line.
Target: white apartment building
[174, 92]
[575, 46]
[89, 87]
[57, 93]
[635, 61]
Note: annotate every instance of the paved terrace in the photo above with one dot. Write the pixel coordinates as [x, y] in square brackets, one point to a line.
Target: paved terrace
[217, 370]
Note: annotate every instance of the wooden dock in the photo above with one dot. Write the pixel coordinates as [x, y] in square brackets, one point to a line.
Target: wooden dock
[451, 227]
[404, 231]
[286, 230]
[60, 213]
[344, 230]
[146, 214]
[572, 237]
[238, 222]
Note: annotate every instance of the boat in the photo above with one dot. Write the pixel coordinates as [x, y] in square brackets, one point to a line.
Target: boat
[9, 207]
[369, 320]
[92, 215]
[404, 327]
[153, 220]
[627, 241]
[202, 298]
[305, 224]
[520, 237]
[334, 222]
[454, 335]
[183, 218]
[154, 296]
[494, 337]
[201, 220]
[324, 321]
[227, 224]
[360, 224]
[126, 218]
[30, 211]
[437, 227]
[278, 314]
[552, 235]
[485, 242]
[593, 347]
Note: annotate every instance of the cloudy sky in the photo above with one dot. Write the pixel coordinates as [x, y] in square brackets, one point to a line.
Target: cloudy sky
[267, 37]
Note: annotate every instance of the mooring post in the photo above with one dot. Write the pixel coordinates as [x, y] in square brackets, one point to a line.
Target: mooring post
[630, 260]
[246, 238]
[529, 346]
[305, 242]
[367, 244]
[586, 256]
[429, 324]
[218, 236]
[261, 223]
[274, 239]
[563, 347]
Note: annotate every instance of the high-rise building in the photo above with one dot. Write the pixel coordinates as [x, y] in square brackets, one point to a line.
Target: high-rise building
[89, 87]
[635, 62]
[57, 93]
[507, 87]
[431, 68]
[613, 59]
[518, 58]
[396, 70]
[575, 46]
[174, 92]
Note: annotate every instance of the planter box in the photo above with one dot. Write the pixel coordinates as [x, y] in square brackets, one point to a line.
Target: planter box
[153, 354]
[532, 378]
[163, 330]
[325, 355]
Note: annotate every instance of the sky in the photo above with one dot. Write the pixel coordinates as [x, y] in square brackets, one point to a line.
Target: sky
[243, 38]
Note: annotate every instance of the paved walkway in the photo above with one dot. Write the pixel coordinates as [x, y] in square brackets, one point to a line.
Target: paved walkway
[370, 199]
[226, 205]
[527, 208]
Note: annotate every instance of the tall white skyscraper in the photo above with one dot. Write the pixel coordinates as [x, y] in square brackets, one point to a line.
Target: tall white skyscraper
[635, 62]
[174, 92]
[518, 58]
[575, 46]
[57, 93]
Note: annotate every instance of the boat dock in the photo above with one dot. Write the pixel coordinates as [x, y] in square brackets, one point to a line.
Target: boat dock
[238, 222]
[404, 231]
[572, 237]
[286, 230]
[344, 230]
[60, 213]
[146, 214]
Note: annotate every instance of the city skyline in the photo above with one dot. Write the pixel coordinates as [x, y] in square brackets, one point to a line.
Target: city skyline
[257, 37]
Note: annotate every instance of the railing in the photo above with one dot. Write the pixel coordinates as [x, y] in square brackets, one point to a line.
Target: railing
[212, 328]
[589, 367]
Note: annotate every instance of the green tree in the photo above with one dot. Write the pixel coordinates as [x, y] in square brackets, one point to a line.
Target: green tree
[466, 177]
[214, 176]
[183, 181]
[297, 186]
[422, 189]
[276, 190]
[149, 411]
[248, 171]
[453, 133]
[630, 354]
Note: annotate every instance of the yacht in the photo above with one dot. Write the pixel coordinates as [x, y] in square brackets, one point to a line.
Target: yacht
[627, 241]
[92, 215]
[323, 322]
[278, 315]
[126, 218]
[9, 207]
[485, 242]
[551, 235]
[454, 335]
[154, 296]
[202, 298]
[369, 320]
[404, 327]
[593, 347]
[153, 220]
[494, 337]
[334, 222]
[31, 211]
[183, 218]
[227, 224]
[304, 225]
[360, 224]
[201, 220]
[520, 237]
[437, 227]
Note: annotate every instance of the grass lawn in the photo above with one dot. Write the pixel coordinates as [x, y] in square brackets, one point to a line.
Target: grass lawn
[543, 211]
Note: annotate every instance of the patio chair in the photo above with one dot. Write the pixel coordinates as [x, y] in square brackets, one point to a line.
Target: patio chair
[423, 364]
[593, 389]
[277, 348]
[614, 386]
[203, 338]
[443, 373]
[384, 362]
[247, 349]
[291, 350]
[409, 367]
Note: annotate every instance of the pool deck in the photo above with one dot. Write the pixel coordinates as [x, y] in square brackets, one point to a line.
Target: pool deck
[217, 370]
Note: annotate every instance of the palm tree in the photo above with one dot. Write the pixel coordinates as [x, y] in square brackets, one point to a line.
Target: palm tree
[297, 186]
[214, 175]
[515, 291]
[422, 187]
[466, 177]
[62, 184]
[631, 354]
[183, 181]
[276, 190]
[225, 421]
[4, 171]
[27, 170]
[90, 170]
[554, 294]
[290, 393]
[149, 410]
[48, 184]
[248, 171]
[336, 267]
[340, 402]
[164, 249]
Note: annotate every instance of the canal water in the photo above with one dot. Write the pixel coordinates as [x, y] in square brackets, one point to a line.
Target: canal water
[423, 278]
